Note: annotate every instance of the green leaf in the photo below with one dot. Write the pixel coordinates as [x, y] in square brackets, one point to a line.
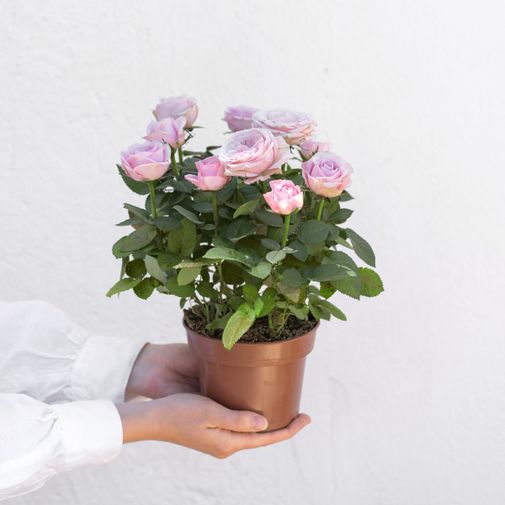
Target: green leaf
[167, 261]
[183, 240]
[299, 312]
[237, 325]
[145, 288]
[327, 289]
[134, 241]
[328, 272]
[275, 256]
[345, 196]
[319, 312]
[205, 289]
[220, 322]
[300, 251]
[361, 247]
[250, 293]
[203, 207]
[167, 223]
[141, 188]
[340, 216]
[187, 214]
[183, 186]
[246, 208]
[142, 214]
[225, 253]
[268, 297]
[181, 291]
[240, 228]
[313, 232]
[261, 270]
[293, 278]
[371, 282]
[269, 218]
[270, 244]
[200, 262]
[136, 269]
[351, 286]
[187, 275]
[334, 311]
[258, 306]
[122, 285]
[226, 193]
[154, 269]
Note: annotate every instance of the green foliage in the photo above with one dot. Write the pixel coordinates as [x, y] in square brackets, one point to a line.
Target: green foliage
[371, 282]
[228, 264]
[238, 324]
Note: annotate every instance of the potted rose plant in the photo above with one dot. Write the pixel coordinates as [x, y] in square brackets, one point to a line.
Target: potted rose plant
[251, 239]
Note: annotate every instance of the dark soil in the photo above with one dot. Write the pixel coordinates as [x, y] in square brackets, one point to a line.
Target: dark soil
[258, 332]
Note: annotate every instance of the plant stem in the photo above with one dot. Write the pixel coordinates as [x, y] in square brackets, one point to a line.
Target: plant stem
[215, 210]
[216, 222]
[152, 192]
[287, 220]
[181, 159]
[173, 163]
[320, 209]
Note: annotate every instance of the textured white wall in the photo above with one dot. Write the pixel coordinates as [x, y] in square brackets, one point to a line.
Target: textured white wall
[408, 397]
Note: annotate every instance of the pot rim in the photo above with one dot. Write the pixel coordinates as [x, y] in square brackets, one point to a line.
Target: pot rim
[247, 344]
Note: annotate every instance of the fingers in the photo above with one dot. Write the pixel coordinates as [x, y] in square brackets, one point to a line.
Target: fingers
[235, 420]
[252, 440]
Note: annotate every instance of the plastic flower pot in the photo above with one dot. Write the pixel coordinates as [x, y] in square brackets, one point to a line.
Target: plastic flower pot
[266, 378]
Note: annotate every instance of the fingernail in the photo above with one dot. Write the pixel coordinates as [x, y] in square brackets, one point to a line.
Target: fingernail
[260, 423]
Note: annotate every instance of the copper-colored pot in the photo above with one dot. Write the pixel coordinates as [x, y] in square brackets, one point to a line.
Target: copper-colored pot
[266, 378]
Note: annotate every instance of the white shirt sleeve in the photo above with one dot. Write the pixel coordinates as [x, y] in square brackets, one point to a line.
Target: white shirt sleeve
[46, 358]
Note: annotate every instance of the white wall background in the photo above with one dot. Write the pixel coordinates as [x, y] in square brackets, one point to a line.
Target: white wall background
[408, 397]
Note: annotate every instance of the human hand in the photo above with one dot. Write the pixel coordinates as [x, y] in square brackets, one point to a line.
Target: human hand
[199, 423]
[162, 370]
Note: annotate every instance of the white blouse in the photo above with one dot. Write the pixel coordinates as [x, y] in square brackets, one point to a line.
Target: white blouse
[58, 386]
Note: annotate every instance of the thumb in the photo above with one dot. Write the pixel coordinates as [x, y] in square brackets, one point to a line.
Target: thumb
[236, 420]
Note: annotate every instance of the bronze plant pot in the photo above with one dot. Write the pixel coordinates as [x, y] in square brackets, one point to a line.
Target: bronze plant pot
[266, 378]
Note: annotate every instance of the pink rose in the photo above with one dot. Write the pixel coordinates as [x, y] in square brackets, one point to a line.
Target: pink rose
[210, 174]
[145, 162]
[294, 127]
[177, 106]
[254, 154]
[327, 174]
[239, 117]
[310, 147]
[285, 196]
[168, 130]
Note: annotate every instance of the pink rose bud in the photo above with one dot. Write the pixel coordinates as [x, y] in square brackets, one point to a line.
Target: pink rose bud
[239, 117]
[177, 106]
[294, 127]
[310, 147]
[169, 131]
[145, 162]
[254, 154]
[210, 174]
[285, 196]
[327, 174]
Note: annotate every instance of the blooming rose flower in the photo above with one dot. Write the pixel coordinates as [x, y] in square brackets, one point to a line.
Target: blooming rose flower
[254, 154]
[239, 117]
[327, 174]
[285, 196]
[294, 127]
[168, 130]
[210, 174]
[145, 162]
[177, 106]
[310, 147]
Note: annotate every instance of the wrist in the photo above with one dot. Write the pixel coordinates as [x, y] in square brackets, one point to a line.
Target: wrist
[142, 370]
[136, 421]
